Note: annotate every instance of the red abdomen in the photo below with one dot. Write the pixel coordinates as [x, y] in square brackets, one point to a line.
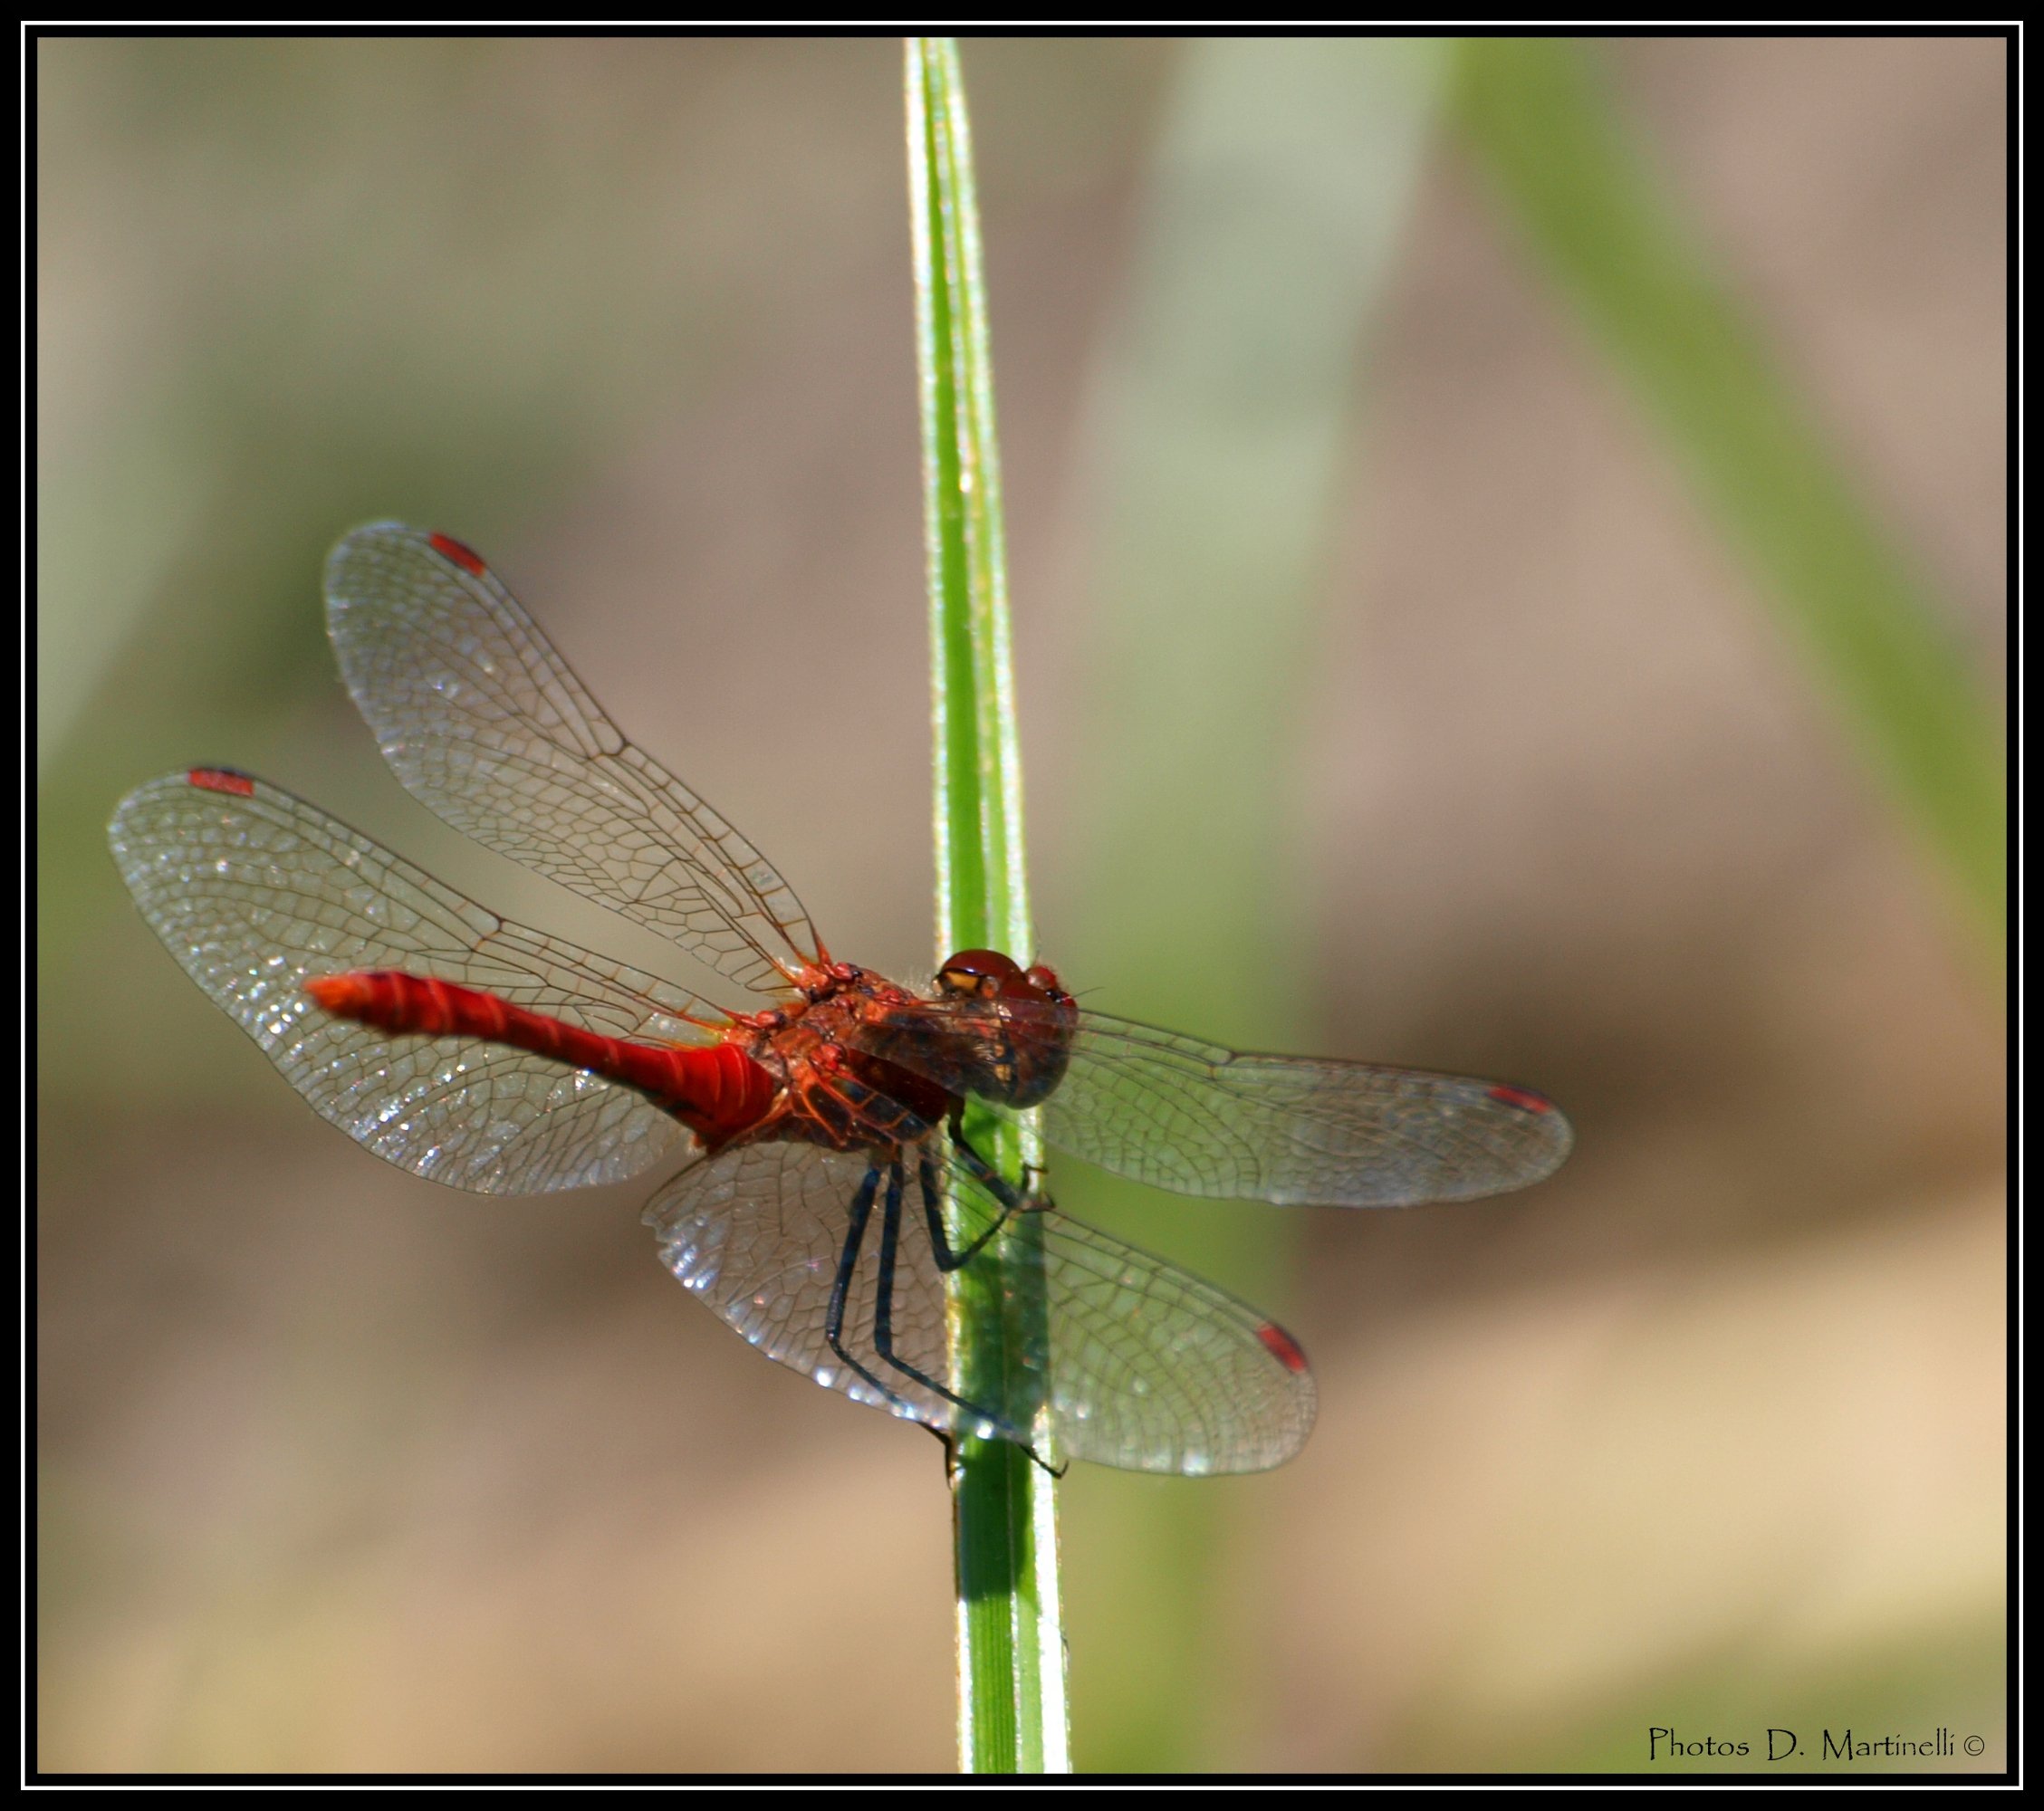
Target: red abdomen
[716, 1090]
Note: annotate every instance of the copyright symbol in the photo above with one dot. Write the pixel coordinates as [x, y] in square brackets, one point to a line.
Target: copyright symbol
[1974, 1745]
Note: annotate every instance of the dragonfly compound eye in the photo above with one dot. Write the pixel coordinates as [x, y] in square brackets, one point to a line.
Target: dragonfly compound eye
[985, 973]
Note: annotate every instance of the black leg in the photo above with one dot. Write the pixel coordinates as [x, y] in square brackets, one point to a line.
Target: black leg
[883, 1313]
[848, 1261]
[1038, 1459]
[1014, 1200]
[950, 1444]
[948, 1261]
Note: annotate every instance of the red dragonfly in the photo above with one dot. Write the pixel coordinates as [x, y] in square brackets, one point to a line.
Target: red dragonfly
[832, 1186]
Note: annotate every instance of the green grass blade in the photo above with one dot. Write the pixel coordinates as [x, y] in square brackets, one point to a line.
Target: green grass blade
[1543, 127]
[1011, 1716]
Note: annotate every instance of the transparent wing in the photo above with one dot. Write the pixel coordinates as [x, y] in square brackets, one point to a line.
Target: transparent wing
[485, 725]
[253, 891]
[1197, 1119]
[1147, 1367]
[759, 1231]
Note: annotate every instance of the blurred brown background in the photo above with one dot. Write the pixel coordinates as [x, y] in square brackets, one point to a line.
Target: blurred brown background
[339, 1470]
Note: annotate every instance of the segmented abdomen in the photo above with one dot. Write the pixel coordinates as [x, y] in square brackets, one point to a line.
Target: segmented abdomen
[716, 1090]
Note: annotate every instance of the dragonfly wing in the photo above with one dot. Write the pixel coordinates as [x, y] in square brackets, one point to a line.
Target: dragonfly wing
[486, 724]
[254, 891]
[1145, 1367]
[1198, 1119]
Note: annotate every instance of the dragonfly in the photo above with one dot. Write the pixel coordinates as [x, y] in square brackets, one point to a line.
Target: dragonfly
[834, 1200]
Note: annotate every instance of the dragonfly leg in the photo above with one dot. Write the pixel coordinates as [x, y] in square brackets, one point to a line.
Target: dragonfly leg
[848, 1261]
[1016, 1200]
[951, 1462]
[948, 1441]
[948, 1261]
[1055, 1470]
[883, 1315]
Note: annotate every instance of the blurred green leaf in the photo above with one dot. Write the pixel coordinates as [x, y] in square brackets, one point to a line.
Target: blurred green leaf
[1542, 125]
[1221, 433]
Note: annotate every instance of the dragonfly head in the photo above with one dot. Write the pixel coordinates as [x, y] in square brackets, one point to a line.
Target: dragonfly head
[1022, 1023]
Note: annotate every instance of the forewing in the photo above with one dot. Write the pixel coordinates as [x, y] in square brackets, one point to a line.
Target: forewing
[253, 891]
[1198, 1119]
[485, 725]
[1147, 1367]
